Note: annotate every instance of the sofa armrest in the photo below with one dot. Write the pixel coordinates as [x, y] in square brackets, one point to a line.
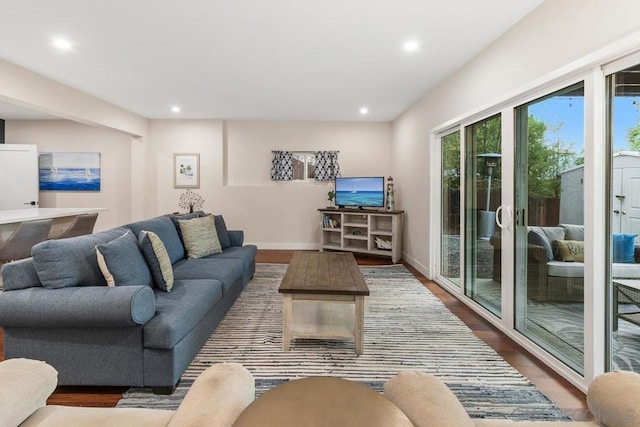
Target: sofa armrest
[217, 397]
[25, 385]
[78, 307]
[236, 237]
[426, 400]
[537, 253]
[613, 399]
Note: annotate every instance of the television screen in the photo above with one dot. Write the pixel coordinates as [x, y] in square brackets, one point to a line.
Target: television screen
[361, 192]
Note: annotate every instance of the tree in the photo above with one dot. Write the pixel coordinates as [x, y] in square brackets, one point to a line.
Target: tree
[545, 159]
[633, 134]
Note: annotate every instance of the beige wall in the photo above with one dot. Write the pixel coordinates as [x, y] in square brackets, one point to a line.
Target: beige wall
[64, 135]
[552, 36]
[235, 159]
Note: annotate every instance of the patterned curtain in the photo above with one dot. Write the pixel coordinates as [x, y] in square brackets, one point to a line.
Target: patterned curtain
[281, 166]
[327, 167]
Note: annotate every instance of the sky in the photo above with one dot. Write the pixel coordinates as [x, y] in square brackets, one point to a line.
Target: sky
[568, 112]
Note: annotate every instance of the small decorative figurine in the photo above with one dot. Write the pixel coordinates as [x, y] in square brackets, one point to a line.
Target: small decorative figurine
[390, 191]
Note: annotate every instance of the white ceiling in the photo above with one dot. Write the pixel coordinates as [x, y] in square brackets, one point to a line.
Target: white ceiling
[254, 59]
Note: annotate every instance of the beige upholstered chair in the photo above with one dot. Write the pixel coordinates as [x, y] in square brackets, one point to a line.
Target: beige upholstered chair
[19, 244]
[83, 224]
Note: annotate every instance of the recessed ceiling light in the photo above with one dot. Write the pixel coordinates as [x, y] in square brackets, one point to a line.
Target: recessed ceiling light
[176, 109]
[364, 111]
[62, 44]
[411, 45]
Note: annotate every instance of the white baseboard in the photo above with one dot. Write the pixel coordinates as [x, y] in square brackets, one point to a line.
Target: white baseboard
[417, 265]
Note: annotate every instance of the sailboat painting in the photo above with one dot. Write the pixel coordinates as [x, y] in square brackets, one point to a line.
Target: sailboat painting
[73, 171]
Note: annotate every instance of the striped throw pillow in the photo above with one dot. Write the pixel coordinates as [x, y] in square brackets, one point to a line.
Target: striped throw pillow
[200, 236]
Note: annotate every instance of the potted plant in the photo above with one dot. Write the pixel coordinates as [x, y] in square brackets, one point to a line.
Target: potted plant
[330, 196]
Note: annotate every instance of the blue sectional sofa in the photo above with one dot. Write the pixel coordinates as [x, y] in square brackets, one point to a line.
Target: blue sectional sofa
[57, 307]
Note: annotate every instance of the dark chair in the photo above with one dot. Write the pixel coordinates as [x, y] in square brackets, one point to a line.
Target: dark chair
[19, 244]
[83, 224]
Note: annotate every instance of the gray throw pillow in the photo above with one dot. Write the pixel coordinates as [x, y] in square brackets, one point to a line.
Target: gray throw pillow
[545, 236]
[122, 263]
[163, 227]
[157, 259]
[223, 233]
[200, 237]
[573, 232]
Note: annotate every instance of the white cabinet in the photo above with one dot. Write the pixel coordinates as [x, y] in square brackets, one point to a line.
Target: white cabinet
[363, 231]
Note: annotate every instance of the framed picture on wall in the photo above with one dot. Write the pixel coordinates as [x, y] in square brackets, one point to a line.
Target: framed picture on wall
[186, 170]
[69, 171]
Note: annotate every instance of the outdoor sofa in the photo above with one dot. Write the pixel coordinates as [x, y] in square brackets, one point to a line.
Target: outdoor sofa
[554, 273]
[57, 307]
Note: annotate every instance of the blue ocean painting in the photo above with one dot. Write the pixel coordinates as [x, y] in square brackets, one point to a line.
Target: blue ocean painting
[69, 171]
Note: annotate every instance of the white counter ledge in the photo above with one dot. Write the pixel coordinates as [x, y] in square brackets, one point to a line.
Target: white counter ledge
[30, 214]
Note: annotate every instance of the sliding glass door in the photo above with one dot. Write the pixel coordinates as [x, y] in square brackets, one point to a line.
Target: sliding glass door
[483, 194]
[549, 235]
[624, 218]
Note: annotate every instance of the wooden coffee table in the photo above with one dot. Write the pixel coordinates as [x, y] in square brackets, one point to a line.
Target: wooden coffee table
[323, 298]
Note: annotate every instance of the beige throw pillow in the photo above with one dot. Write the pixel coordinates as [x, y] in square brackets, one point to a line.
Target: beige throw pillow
[571, 250]
[200, 236]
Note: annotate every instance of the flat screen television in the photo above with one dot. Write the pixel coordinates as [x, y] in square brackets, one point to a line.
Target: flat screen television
[360, 192]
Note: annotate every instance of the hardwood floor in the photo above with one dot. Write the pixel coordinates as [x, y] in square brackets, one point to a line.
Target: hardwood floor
[564, 394]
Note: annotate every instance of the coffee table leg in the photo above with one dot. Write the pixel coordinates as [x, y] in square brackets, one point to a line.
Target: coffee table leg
[359, 302]
[286, 321]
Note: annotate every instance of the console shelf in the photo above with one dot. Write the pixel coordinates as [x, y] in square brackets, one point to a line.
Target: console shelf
[364, 231]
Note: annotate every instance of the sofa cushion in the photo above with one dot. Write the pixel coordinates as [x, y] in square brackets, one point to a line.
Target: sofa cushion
[623, 247]
[228, 271]
[573, 231]
[223, 233]
[625, 271]
[179, 312]
[122, 263]
[163, 227]
[545, 236]
[571, 250]
[175, 218]
[157, 259]
[72, 262]
[247, 254]
[576, 269]
[565, 269]
[200, 237]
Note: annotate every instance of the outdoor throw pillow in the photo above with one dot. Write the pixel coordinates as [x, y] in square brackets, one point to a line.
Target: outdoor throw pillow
[623, 247]
[157, 259]
[571, 250]
[122, 263]
[200, 236]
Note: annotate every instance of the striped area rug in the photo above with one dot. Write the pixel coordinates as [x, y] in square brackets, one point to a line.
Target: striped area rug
[406, 327]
